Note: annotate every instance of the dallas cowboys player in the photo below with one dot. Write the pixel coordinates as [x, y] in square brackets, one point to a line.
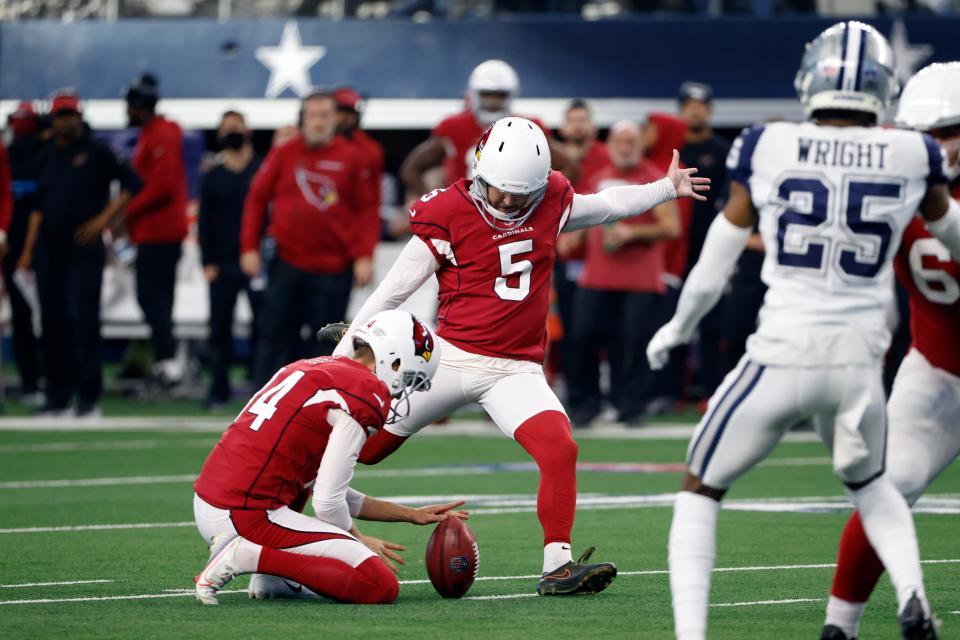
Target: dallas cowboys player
[833, 197]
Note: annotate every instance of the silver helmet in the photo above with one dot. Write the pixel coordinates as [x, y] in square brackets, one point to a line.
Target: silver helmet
[849, 67]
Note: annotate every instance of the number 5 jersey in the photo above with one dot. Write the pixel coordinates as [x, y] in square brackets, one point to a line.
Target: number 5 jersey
[833, 204]
[494, 284]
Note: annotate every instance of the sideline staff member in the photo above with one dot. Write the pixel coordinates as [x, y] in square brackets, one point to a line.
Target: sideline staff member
[74, 174]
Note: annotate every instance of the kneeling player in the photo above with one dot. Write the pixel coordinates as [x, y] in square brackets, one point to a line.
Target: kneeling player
[306, 427]
[924, 408]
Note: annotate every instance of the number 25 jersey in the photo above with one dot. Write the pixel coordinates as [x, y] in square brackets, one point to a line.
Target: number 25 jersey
[494, 284]
[833, 204]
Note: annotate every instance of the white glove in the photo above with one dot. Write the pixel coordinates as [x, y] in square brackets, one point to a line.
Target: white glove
[666, 338]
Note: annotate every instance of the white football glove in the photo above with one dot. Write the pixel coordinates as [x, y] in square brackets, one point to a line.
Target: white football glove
[666, 338]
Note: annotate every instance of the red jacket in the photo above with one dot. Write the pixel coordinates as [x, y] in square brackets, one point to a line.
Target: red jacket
[158, 214]
[371, 157]
[6, 191]
[320, 205]
[636, 266]
[671, 134]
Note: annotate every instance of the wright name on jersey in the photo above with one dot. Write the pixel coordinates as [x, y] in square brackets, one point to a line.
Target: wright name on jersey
[833, 204]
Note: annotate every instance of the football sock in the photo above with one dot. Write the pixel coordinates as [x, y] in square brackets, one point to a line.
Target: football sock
[692, 551]
[548, 439]
[846, 615]
[889, 527]
[555, 555]
[858, 567]
[371, 582]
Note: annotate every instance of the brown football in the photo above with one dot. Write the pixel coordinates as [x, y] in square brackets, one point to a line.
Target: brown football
[453, 558]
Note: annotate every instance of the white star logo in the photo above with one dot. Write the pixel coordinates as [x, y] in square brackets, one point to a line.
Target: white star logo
[289, 63]
[908, 56]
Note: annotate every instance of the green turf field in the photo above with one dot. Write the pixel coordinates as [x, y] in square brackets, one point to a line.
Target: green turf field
[143, 477]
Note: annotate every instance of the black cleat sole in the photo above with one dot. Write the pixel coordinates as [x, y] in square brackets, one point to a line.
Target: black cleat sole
[590, 583]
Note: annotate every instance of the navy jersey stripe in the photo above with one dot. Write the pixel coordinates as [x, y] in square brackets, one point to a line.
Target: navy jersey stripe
[935, 158]
[748, 144]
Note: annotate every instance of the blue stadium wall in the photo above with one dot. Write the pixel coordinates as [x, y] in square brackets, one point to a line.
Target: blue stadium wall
[630, 59]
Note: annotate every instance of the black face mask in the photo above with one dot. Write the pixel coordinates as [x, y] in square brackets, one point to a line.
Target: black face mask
[233, 140]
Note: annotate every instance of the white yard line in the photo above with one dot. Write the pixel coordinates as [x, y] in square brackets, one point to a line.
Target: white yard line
[108, 445]
[756, 603]
[173, 593]
[944, 504]
[420, 472]
[476, 428]
[101, 527]
[52, 584]
[97, 482]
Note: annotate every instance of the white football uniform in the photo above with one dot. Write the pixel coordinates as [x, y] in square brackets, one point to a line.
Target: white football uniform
[833, 203]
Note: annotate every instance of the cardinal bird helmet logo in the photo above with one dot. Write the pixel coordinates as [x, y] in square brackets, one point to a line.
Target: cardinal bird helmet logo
[422, 340]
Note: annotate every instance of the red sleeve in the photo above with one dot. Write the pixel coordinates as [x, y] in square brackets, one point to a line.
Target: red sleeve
[258, 198]
[379, 446]
[6, 191]
[367, 203]
[162, 162]
[428, 223]
[444, 129]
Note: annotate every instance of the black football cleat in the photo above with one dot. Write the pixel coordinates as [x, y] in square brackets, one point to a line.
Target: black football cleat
[833, 632]
[915, 624]
[578, 578]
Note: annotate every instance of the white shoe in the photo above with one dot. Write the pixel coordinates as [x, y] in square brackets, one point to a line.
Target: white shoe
[219, 571]
[267, 587]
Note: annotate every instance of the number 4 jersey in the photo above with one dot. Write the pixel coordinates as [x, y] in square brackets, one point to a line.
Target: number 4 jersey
[273, 449]
[833, 204]
[494, 285]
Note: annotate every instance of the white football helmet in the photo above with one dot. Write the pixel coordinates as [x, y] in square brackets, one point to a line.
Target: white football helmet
[931, 100]
[496, 76]
[848, 67]
[513, 156]
[407, 356]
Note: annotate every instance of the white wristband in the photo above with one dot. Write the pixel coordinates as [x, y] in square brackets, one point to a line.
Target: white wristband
[947, 229]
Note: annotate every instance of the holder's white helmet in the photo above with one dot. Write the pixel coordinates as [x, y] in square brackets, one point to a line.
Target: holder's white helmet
[406, 353]
[848, 67]
[931, 100]
[492, 76]
[513, 156]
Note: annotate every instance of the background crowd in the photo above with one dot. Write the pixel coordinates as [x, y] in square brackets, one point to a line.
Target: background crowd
[70, 199]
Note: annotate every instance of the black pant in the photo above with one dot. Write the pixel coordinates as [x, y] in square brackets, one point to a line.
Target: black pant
[623, 322]
[156, 279]
[26, 347]
[69, 279]
[740, 309]
[566, 290]
[294, 298]
[223, 301]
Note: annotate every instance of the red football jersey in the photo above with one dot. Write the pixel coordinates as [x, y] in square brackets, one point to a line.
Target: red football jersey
[461, 133]
[274, 447]
[494, 285]
[932, 281]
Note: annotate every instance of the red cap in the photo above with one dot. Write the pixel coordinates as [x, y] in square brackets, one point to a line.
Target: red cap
[348, 97]
[63, 102]
[25, 111]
